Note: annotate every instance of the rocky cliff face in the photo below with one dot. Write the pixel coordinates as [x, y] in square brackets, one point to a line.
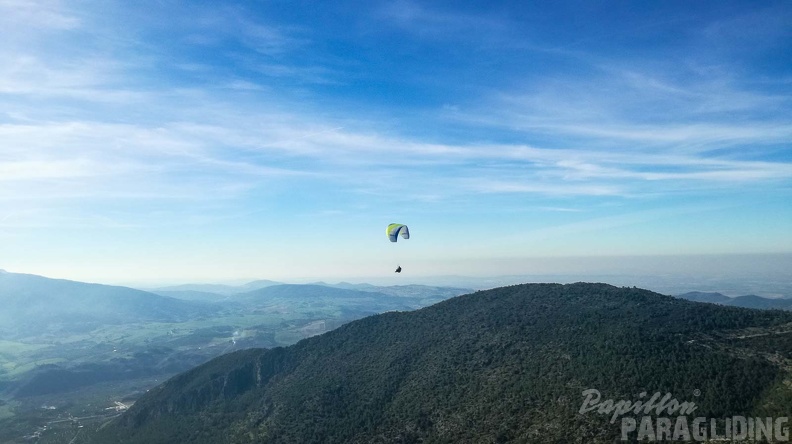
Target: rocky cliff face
[221, 380]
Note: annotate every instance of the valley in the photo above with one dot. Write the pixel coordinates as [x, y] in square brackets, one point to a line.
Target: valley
[66, 377]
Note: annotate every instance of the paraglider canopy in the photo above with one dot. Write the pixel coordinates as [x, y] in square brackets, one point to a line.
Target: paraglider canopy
[394, 230]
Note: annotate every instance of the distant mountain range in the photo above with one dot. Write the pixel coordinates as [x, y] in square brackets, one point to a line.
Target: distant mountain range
[38, 304]
[217, 289]
[748, 301]
[220, 293]
[60, 336]
[503, 365]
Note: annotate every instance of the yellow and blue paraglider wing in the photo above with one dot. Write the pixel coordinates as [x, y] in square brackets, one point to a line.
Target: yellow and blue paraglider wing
[395, 230]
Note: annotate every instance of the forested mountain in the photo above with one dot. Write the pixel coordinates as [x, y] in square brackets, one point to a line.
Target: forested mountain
[503, 365]
[709, 297]
[748, 301]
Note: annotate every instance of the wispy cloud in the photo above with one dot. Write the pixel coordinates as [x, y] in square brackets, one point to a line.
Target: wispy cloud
[53, 169]
[608, 222]
[418, 18]
[19, 15]
[212, 114]
[546, 188]
[234, 151]
[768, 25]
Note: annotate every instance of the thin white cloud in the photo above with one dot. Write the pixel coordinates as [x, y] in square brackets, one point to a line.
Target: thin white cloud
[767, 24]
[547, 188]
[19, 15]
[596, 224]
[92, 160]
[144, 139]
[53, 169]
[237, 153]
[421, 20]
[703, 136]
[560, 209]
[641, 105]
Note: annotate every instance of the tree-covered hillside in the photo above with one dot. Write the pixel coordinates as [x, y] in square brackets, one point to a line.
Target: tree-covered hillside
[503, 365]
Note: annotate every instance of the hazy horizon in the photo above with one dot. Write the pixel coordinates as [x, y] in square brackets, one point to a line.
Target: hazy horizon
[733, 275]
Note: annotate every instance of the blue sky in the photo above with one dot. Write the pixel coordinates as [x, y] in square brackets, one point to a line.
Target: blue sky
[206, 141]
